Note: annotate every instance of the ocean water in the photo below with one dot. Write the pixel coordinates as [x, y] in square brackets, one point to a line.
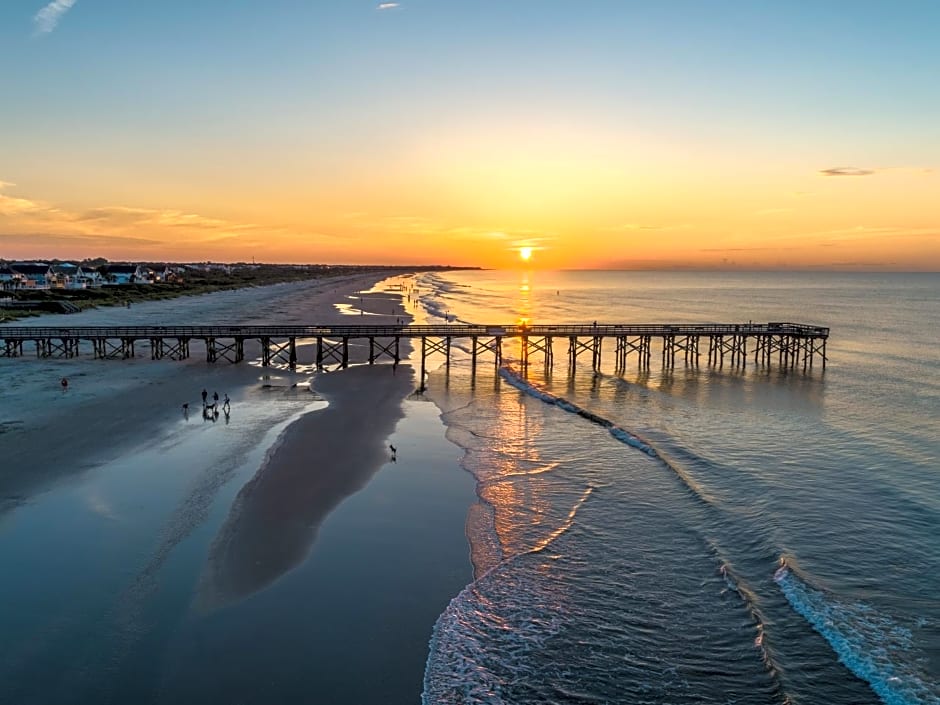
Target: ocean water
[716, 535]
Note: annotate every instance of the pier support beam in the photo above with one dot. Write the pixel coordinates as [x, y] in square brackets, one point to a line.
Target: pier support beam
[286, 352]
[107, 349]
[576, 346]
[429, 346]
[12, 347]
[479, 347]
[533, 344]
[173, 348]
[626, 346]
[378, 349]
[57, 347]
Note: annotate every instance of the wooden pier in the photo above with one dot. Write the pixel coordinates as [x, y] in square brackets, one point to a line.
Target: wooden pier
[784, 345]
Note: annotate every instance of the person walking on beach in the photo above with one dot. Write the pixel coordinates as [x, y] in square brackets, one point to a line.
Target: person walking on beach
[215, 397]
[225, 405]
[64, 383]
[205, 396]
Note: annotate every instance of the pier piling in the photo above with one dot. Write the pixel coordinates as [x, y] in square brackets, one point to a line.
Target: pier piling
[787, 346]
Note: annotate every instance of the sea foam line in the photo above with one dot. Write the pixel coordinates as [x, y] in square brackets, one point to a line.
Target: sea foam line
[512, 377]
[870, 644]
[733, 581]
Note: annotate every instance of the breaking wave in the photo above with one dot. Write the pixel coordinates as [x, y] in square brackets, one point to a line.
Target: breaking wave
[870, 644]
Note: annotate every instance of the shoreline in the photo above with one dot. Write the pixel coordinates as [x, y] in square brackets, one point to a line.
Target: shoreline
[201, 283]
[227, 519]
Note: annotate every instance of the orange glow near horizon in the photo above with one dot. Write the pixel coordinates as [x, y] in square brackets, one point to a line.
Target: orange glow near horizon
[578, 211]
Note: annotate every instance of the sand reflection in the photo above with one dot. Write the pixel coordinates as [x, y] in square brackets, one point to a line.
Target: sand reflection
[318, 462]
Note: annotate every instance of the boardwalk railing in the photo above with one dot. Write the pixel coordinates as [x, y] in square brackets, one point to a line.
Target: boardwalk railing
[791, 343]
[451, 329]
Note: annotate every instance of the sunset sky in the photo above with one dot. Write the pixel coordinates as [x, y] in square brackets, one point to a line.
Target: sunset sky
[599, 133]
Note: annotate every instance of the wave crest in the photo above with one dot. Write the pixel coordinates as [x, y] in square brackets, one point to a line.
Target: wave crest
[870, 644]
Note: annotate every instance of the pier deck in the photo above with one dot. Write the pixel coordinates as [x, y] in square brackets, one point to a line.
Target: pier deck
[787, 345]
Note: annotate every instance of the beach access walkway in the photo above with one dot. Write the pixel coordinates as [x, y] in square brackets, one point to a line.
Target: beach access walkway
[784, 345]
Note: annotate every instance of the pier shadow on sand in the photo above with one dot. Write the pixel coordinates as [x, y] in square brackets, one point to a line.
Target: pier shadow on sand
[317, 463]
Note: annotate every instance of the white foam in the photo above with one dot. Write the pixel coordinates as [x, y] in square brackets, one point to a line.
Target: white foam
[872, 646]
[622, 435]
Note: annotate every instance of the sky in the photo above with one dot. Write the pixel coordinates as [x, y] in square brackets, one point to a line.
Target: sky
[593, 134]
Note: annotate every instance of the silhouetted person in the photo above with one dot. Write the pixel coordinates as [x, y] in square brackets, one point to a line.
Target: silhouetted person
[215, 397]
[225, 405]
[205, 396]
[64, 383]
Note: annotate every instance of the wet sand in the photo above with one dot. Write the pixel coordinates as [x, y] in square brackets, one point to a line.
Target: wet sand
[319, 461]
[351, 624]
[165, 559]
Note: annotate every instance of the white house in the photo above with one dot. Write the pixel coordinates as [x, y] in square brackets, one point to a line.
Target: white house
[162, 274]
[69, 276]
[92, 278]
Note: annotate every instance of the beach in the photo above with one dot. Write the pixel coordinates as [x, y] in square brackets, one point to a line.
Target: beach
[194, 558]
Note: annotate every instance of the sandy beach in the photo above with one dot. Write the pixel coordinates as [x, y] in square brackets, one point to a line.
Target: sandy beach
[119, 400]
[195, 526]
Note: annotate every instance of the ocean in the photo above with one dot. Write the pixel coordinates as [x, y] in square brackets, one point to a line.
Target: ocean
[724, 535]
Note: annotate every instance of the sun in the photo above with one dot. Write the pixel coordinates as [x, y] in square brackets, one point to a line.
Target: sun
[525, 253]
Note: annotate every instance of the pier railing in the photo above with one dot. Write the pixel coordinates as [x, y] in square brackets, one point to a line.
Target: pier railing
[790, 344]
[451, 329]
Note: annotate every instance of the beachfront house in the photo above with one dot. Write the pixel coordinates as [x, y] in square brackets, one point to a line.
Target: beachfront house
[70, 276]
[91, 277]
[11, 279]
[161, 273]
[116, 274]
[36, 275]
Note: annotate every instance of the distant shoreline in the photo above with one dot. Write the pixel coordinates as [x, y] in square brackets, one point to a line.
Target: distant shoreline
[195, 283]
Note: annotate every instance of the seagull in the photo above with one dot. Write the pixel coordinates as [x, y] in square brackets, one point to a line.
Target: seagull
[392, 448]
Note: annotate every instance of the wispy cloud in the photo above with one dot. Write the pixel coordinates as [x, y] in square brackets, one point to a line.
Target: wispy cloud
[630, 227]
[10, 205]
[388, 5]
[25, 221]
[48, 17]
[846, 171]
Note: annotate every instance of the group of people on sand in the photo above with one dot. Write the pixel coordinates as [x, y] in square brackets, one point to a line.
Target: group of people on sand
[210, 412]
